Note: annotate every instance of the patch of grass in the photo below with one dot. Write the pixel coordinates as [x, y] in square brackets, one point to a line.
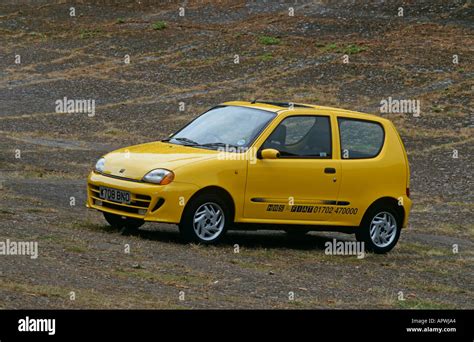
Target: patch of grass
[353, 49]
[38, 34]
[31, 172]
[296, 303]
[50, 238]
[461, 204]
[182, 280]
[112, 131]
[86, 34]
[6, 212]
[75, 249]
[266, 57]
[268, 40]
[67, 243]
[350, 49]
[434, 287]
[41, 210]
[159, 25]
[87, 298]
[441, 267]
[330, 47]
[454, 229]
[422, 304]
[93, 227]
[424, 250]
[253, 265]
[120, 21]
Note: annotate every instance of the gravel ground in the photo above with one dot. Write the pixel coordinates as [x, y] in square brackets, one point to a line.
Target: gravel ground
[192, 61]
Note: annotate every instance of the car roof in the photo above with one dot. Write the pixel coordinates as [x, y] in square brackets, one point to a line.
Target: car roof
[283, 107]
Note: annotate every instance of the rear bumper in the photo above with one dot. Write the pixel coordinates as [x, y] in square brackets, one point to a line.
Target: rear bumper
[150, 202]
[407, 203]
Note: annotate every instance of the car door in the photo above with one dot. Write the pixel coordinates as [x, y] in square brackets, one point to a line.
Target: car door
[367, 175]
[303, 183]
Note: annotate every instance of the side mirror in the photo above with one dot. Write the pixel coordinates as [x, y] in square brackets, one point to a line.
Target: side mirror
[269, 153]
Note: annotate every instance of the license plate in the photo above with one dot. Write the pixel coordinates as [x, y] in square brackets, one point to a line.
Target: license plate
[114, 195]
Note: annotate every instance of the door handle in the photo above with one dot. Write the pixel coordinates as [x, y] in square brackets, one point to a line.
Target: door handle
[329, 170]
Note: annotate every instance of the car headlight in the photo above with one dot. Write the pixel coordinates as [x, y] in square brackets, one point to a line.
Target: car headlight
[159, 176]
[100, 165]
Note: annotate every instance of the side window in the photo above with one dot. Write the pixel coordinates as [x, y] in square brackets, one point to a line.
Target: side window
[302, 136]
[297, 128]
[360, 139]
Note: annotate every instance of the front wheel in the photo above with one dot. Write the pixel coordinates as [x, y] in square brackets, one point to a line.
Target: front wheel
[379, 230]
[205, 219]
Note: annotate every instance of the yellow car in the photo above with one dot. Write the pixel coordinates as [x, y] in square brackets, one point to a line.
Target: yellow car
[263, 165]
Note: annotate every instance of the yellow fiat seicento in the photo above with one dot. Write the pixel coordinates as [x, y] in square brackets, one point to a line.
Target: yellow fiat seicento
[263, 165]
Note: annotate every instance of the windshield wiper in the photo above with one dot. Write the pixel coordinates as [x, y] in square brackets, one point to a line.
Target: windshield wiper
[219, 144]
[187, 141]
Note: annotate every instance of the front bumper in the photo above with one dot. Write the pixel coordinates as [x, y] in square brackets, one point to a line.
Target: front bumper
[150, 202]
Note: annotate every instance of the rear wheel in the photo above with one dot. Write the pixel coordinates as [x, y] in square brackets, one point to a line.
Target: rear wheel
[205, 219]
[127, 224]
[380, 229]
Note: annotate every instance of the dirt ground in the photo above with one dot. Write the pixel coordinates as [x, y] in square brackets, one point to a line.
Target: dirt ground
[45, 156]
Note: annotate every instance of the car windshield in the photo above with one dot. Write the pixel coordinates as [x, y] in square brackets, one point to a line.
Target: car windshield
[224, 126]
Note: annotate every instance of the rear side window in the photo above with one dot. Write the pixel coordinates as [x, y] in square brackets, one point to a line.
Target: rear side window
[360, 138]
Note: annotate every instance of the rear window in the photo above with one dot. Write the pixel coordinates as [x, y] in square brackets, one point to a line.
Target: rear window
[360, 138]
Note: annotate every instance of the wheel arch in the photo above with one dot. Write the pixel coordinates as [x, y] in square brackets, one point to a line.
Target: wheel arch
[387, 202]
[219, 191]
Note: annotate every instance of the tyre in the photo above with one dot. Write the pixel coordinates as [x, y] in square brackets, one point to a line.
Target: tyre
[127, 224]
[380, 229]
[205, 219]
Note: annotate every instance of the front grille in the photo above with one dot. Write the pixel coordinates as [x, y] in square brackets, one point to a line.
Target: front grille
[137, 203]
[120, 177]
